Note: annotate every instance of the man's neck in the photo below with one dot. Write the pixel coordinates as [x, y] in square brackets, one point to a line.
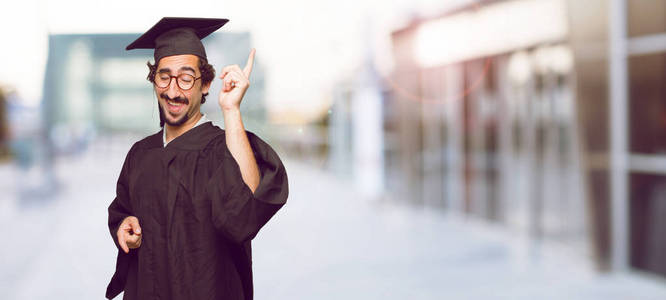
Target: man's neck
[173, 132]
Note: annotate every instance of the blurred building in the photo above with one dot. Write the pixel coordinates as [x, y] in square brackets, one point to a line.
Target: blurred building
[545, 116]
[94, 87]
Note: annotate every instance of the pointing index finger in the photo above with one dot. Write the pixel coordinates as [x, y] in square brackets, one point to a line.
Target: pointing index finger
[250, 62]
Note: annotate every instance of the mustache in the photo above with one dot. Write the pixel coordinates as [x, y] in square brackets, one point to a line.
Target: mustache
[178, 99]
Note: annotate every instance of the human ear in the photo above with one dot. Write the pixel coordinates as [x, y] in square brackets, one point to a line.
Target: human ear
[206, 87]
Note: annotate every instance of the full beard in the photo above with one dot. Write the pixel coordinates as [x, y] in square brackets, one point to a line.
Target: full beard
[164, 119]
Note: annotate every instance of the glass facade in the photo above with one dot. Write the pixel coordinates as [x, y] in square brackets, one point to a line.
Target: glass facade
[646, 31]
[646, 17]
[522, 137]
[647, 103]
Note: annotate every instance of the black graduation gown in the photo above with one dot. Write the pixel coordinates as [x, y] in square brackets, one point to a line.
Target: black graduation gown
[196, 214]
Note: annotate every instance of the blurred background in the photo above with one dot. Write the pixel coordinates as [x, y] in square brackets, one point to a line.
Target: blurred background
[436, 149]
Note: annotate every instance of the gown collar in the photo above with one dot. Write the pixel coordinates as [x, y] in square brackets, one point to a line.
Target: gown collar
[201, 120]
[194, 139]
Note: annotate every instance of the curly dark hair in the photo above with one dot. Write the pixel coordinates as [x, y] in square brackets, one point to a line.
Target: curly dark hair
[206, 69]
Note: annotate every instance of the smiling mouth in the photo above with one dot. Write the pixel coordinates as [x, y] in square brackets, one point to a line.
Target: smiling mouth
[175, 106]
[175, 103]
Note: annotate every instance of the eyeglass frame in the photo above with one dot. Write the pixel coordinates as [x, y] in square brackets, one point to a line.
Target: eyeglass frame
[177, 82]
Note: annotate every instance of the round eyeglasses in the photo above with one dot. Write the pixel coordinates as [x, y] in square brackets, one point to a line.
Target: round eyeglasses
[184, 81]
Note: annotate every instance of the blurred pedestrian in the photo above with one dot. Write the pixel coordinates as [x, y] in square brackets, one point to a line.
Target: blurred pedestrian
[4, 127]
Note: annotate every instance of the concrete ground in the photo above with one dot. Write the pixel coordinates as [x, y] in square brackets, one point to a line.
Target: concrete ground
[326, 243]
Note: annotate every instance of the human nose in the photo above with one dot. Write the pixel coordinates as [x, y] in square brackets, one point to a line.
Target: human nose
[173, 89]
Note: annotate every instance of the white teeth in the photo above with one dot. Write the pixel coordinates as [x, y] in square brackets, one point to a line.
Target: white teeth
[174, 103]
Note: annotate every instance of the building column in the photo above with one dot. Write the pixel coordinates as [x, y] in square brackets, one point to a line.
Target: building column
[618, 135]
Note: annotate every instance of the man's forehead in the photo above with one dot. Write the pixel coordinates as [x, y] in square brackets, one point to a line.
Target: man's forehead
[179, 62]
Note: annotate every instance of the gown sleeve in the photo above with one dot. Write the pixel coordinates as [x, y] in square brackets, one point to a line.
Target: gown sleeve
[120, 207]
[237, 213]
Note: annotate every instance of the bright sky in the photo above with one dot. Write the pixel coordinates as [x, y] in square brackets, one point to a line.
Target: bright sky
[306, 46]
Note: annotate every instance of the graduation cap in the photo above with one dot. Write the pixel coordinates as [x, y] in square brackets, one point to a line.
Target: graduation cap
[174, 36]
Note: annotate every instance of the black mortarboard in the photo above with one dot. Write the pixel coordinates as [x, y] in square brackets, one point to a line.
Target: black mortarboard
[174, 36]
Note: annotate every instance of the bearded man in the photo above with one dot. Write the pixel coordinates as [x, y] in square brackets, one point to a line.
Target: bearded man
[191, 197]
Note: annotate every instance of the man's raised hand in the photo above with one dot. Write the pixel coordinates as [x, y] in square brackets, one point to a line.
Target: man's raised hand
[129, 234]
[234, 83]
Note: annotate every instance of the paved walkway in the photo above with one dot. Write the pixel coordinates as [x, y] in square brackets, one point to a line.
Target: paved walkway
[326, 243]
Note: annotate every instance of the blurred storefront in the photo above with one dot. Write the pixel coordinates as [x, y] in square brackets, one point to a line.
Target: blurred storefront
[515, 112]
